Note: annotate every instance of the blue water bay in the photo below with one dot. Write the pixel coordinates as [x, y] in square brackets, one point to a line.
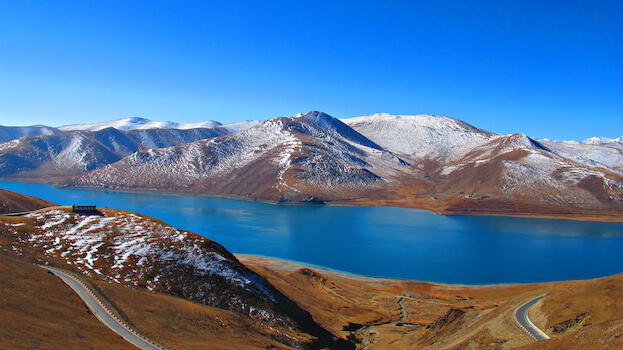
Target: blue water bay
[378, 241]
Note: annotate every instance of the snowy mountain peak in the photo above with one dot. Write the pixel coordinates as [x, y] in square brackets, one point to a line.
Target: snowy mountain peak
[602, 140]
[595, 140]
[135, 123]
[325, 123]
[420, 136]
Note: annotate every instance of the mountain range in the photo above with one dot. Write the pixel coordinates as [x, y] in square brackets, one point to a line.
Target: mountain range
[422, 161]
[8, 133]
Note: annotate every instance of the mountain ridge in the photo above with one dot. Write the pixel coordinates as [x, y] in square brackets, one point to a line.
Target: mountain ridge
[8, 133]
[137, 123]
[422, 161]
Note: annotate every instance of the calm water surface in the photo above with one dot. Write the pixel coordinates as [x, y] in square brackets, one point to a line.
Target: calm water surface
[379, 241]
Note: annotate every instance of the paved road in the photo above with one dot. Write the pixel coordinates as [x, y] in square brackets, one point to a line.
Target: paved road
[521, 316]
[100, 311]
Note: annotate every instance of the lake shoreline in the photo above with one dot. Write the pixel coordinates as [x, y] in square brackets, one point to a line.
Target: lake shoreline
[379, 242]
[343, 203]
[274, 263]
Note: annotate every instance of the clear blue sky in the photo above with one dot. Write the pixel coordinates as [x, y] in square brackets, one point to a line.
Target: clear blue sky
[546, 68]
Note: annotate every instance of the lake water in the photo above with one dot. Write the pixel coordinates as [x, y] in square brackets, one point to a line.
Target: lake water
[379, 241]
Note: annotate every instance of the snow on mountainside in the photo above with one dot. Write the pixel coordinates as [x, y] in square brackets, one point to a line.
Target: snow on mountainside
[131, 249]
[420, 136]
[8, 133]
[142, 252]
[603, 154]
[595, 140]
[280, 159]
[516, 167]
[235, 127]
[75, 152]
[137, 123]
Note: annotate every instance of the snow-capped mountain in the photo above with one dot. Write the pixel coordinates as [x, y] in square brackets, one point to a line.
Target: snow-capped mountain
[141, 252]
[135, 123]
[8, 133]
[282, 159]
[423, 161]
[606, 154]
[602, 140]
[517, 168]
[71, 153]
[595, 140]
[421, 136]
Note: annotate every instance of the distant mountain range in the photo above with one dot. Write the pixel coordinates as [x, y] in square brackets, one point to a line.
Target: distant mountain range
[137, 123]
[67, 153]
[422, 161]
[8, 133]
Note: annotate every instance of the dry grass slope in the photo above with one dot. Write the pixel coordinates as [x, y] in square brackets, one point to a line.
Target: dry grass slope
[383, 314]
[11, 202]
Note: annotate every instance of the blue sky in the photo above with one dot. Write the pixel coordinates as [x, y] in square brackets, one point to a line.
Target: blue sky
[546, 68]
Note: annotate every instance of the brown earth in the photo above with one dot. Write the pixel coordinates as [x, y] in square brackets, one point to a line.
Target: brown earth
[181, 324]
[373, 312]
[11, 202]
[38, 311]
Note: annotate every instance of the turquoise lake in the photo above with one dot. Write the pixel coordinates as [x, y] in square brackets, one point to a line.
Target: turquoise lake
[379, 241]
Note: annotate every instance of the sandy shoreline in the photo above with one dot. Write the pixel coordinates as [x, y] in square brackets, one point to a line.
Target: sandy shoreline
[290, 265]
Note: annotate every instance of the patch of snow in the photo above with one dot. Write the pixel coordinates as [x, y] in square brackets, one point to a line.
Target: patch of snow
[135, 245]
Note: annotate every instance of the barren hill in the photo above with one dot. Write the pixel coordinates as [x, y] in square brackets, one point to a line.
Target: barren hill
[11, 202]
[390, 314]
[140, 252]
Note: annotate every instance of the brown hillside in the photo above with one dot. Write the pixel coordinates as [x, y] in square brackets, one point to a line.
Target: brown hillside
[141, 253]
[384, 314]
[11, 202]
[38, 311]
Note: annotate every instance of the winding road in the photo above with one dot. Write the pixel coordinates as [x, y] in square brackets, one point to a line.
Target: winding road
[100, 311]
[521, 316]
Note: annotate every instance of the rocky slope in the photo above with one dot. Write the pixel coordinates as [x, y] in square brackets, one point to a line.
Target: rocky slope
[516, 170]
[141, 252]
